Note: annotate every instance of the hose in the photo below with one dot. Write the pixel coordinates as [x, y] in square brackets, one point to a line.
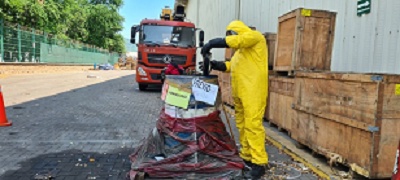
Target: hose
[206, 64]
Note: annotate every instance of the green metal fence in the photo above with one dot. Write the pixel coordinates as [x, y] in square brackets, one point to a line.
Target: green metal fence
[22, 44]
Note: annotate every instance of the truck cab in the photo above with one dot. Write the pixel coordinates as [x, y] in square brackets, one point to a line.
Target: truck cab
[160, 43]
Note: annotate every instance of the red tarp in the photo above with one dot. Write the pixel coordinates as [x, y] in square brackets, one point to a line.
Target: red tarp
[216, 153]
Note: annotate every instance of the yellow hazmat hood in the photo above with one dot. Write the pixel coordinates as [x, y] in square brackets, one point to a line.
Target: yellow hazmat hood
[238, 26]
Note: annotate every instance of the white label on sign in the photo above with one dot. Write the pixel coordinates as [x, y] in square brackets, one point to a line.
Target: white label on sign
[204, 92]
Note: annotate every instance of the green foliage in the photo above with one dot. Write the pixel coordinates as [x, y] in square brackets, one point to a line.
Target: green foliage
[95, 22]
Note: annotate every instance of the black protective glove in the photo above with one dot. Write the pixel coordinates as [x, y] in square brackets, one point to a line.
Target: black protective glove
[214, 43]
[216, 65]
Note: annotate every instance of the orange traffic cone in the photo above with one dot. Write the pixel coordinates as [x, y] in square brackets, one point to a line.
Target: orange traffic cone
[3, 117]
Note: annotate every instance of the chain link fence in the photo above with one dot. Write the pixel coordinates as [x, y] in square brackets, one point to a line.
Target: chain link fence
[22, 44]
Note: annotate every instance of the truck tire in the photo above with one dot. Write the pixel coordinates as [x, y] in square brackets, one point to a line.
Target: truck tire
[142, 87]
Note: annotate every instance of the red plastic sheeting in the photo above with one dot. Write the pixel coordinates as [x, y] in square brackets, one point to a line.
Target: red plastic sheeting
[396, 171]
[216, 152]
[174, 69]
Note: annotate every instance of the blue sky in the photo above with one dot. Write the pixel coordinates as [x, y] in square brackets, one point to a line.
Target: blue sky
[136, 10]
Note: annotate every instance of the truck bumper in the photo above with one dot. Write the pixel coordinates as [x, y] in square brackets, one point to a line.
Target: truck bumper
[152, 76]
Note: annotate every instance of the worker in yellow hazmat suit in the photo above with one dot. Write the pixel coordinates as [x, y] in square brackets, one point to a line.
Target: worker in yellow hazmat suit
[249, 74]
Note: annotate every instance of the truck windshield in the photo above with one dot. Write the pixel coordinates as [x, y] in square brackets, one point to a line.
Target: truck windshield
[165, 35]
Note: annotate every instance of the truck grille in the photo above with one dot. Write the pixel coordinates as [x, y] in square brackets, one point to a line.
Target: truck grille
[159, 59]
[155, 76]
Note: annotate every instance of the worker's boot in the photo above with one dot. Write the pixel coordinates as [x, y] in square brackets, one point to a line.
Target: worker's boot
[256, 172]
[248, 165]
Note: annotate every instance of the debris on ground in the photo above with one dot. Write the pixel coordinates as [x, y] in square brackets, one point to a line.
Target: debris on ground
[93, 76]
[282, 170]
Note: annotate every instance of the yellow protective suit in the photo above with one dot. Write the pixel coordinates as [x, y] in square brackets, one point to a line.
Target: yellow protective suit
[249, 72]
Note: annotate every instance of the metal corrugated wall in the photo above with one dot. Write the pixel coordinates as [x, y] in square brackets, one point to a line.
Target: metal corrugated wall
[214, 16]
[362, 44]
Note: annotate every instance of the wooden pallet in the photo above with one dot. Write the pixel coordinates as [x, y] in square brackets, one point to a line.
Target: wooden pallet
[280, 128]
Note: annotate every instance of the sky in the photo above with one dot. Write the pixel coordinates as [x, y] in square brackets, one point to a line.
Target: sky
[135, 11]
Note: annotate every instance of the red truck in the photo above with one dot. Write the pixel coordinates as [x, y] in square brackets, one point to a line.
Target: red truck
[162, 42]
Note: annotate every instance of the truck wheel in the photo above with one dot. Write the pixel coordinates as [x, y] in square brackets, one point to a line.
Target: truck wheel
[142, 87]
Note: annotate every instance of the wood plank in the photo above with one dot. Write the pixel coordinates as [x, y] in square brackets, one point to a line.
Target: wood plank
[313, 48]
[282, 68]
[287, 16]
[391, 102]
[377, 135]
[329, 48]
[349, 76]
[356, 77]
[298, 38]
[271, 44]
[349, 143]
[388, 144]
[321, 13]
[345, 99]
[335, 118]
[273, 112]
[229, 52]
[286, 38]
[281, 100]
[287, 121]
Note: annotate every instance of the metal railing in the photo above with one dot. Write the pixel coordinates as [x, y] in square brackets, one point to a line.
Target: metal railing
[22, 44]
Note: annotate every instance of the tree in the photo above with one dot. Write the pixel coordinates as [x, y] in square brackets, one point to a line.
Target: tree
[95, 22]
[103, 28]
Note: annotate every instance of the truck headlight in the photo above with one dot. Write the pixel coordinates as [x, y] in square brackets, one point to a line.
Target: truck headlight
[142, 72]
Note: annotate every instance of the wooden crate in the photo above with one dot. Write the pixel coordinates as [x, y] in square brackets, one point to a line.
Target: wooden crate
[229, 54]
[280, 112]
[129, 59]
[134, 64]
[226, 88]
[266, 114]
[128, 66]
[305, 40]
[355, 117]
[271, 42]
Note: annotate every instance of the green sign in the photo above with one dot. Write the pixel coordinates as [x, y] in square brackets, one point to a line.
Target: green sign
[178, 98]
[363, 7]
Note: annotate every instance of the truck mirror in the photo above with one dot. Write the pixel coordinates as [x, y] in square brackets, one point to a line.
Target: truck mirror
[201, 38]
[133, 34]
